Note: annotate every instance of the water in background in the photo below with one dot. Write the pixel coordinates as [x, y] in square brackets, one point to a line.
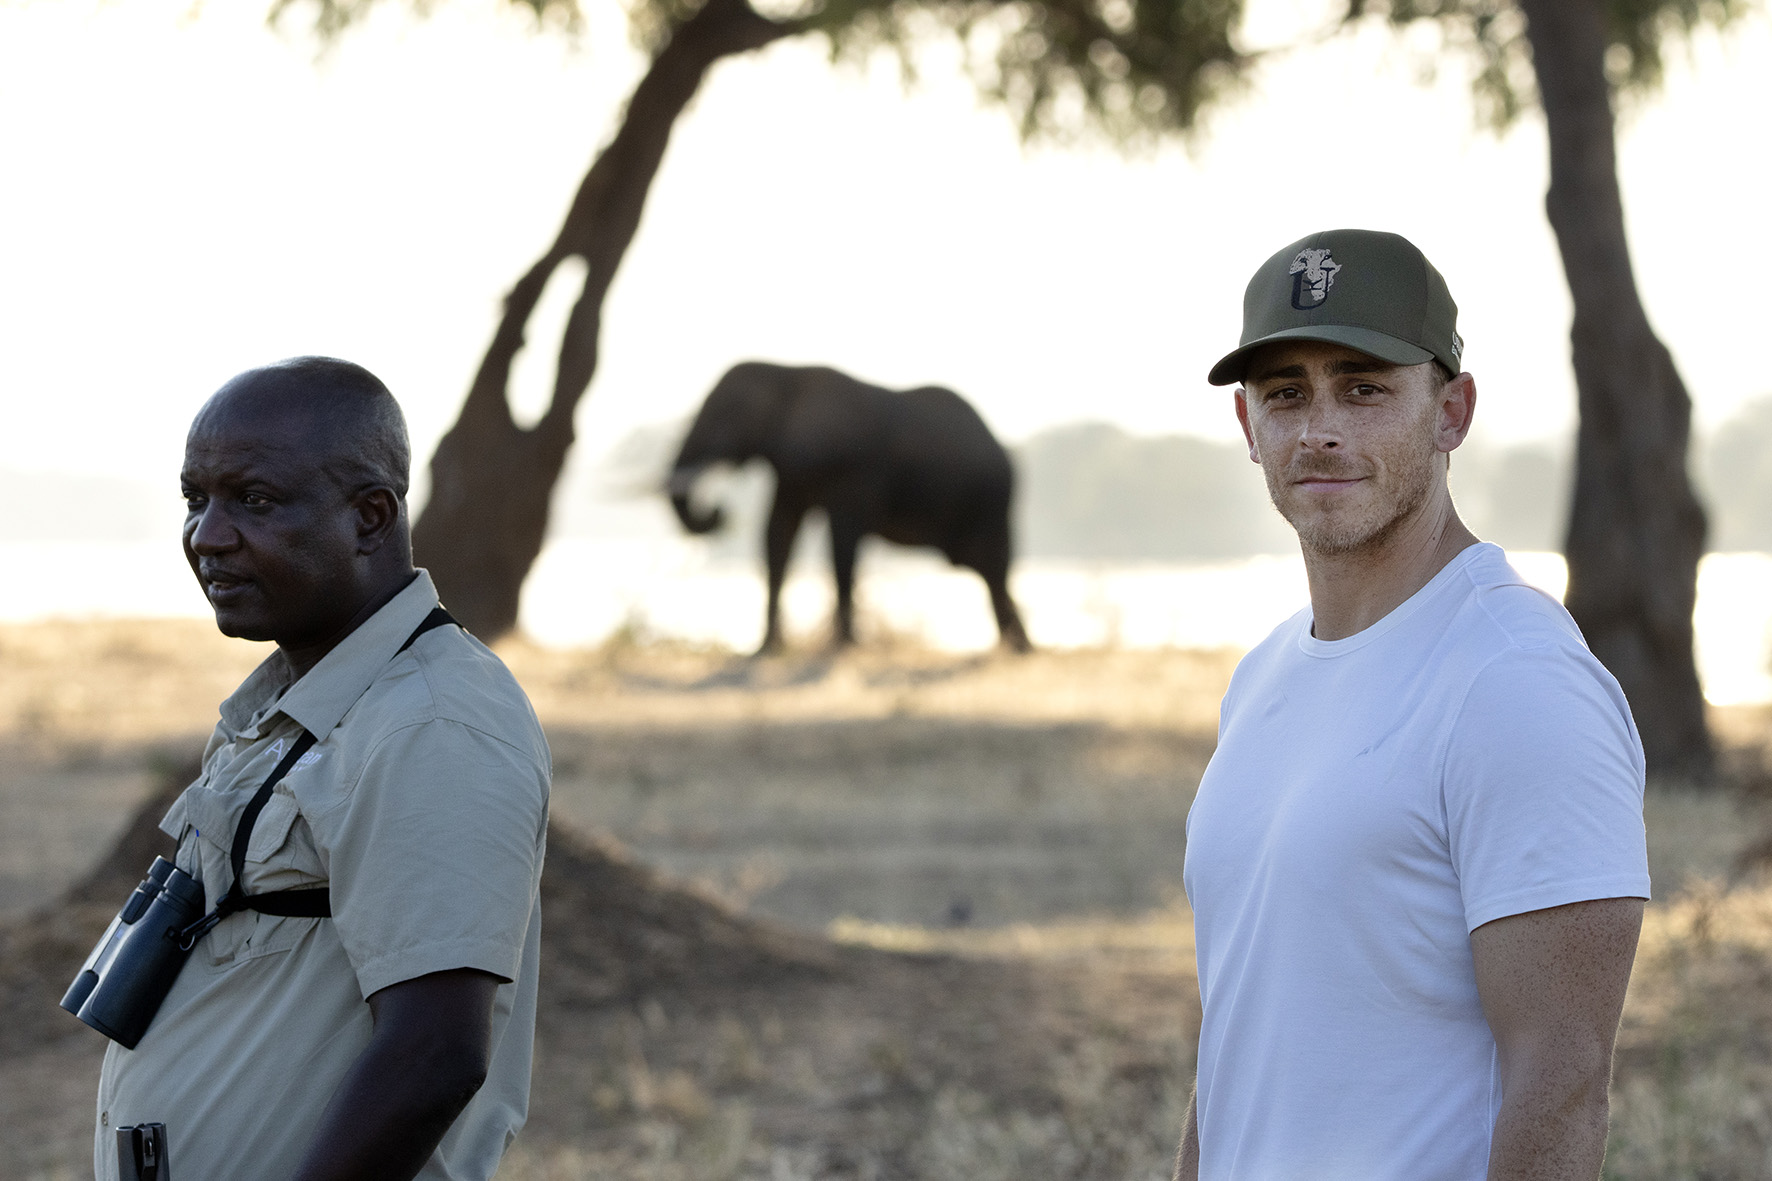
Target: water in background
[584, 590]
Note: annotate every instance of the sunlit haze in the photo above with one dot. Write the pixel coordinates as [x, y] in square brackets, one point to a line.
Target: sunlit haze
[189, 195]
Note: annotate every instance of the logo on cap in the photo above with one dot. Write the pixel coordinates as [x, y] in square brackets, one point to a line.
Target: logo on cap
[1313, 274]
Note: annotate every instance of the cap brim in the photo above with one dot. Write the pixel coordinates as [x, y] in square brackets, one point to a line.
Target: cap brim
[1381, 345]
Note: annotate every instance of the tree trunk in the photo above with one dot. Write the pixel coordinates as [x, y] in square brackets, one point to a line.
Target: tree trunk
[1636, 531]
[492, 481]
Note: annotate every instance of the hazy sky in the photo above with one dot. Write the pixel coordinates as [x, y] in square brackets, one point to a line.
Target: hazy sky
[187, 196]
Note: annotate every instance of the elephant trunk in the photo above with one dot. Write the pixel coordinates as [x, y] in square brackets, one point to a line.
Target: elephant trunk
[682, 482]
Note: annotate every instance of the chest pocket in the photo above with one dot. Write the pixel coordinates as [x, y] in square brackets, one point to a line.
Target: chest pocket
[272, 829]
[281, 855]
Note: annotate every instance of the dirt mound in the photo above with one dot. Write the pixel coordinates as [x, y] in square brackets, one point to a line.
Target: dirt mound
[116, 874]
[612, 930]
[39, 955]
[40, 952]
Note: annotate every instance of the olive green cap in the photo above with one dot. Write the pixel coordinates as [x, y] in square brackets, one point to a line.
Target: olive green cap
[1370, 291]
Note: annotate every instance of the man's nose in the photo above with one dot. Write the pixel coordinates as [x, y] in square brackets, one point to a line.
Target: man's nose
[210, 532]
[1322, 425]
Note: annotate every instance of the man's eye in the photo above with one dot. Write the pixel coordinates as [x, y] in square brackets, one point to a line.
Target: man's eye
[254, 500]
[193, 500]
[1365, 391]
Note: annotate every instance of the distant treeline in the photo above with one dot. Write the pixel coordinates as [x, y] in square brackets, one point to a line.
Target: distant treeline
[1085, 490]
[1091, 490]
[1735, 480]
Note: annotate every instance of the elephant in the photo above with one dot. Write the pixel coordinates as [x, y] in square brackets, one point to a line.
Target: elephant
[915, 467]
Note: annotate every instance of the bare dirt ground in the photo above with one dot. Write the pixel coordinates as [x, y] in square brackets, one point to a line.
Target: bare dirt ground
[919, 914]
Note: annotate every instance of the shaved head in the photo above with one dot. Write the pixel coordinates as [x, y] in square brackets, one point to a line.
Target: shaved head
[337, 410]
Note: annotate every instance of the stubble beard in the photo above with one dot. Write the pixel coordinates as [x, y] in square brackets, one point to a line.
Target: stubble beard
[1342, 534]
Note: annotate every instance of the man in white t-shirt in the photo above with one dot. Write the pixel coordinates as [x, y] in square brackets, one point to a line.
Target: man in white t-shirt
[1416, 861]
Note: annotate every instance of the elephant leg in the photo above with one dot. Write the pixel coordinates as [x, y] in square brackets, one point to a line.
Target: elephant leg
[845, 541]
[990, 557]
[1010, 632]
[778, 545]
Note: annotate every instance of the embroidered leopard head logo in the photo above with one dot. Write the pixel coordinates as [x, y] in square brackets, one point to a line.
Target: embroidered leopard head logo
[1313, 274]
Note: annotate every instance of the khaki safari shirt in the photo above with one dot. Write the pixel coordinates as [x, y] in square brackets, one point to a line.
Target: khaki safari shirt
[423, 806]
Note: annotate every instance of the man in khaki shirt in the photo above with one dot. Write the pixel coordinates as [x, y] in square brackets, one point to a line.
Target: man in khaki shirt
[393, 1038]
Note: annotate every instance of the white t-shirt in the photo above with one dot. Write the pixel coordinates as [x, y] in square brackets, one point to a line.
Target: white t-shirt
[1372, 801]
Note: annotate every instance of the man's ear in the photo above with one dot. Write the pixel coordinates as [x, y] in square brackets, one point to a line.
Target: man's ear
[378, 515]
[1243, 420]
[1457, 409]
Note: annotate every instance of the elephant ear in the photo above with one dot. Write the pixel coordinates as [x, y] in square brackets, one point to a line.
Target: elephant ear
[832, 421]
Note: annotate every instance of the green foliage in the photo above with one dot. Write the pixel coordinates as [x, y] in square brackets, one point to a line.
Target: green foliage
[329, 18]
[651, 22]
[1492, 33]
[1639, 27]
[1131, 69]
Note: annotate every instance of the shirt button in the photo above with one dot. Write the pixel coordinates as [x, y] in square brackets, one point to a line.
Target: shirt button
[104, 1119]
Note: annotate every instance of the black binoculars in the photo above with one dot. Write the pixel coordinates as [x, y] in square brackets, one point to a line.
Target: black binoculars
[121, 985]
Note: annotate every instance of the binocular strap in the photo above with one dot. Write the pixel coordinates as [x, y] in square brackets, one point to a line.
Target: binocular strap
[313, 903]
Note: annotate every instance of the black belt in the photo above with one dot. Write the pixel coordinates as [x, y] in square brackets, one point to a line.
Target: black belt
[312, 903]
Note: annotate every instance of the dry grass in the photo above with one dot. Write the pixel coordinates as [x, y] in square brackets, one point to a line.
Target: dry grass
[991, 845]
[88, 691]
[1164, 937]
[666, 683]
[964, 1136]
[1692, 1093]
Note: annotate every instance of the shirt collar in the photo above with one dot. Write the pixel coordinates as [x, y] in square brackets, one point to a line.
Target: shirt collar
[320, 700]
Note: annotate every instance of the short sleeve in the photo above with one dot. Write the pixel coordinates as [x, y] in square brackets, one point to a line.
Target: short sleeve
[435, 855]
[1543, 787]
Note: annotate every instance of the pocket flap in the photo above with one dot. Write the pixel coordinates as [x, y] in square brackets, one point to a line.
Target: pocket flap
[212, 814]
[272, 828]
[173, 823]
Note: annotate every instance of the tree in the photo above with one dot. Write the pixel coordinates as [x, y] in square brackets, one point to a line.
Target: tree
[1636, 529]
[492, 480]
[1130, 68]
